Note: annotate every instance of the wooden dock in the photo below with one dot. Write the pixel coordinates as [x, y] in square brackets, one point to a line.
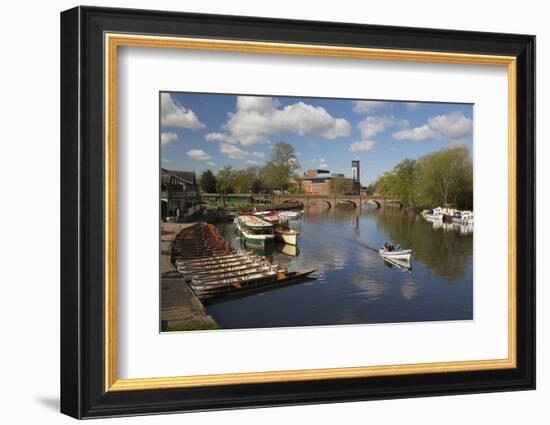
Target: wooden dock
[180, 308]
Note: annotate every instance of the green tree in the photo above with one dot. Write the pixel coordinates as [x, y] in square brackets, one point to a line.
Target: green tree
[446, 177]
[371, 189]
[296, 188]
[341, 186]
[208, 182]
[245, 179]
[281, 168]
[406, 182]
[225, 180]
[439, 178]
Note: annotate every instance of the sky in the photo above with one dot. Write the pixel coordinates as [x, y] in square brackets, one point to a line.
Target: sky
[208, 131]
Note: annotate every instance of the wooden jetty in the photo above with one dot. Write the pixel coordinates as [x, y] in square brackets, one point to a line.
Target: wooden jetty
[213, 269]
[180, 308]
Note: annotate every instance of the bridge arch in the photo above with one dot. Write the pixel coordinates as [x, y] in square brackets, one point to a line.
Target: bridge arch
[395, 201]
[375, 202]
[348, 201]
[326, 201]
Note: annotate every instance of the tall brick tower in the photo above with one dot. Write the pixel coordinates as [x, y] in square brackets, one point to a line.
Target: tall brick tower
[356, 176]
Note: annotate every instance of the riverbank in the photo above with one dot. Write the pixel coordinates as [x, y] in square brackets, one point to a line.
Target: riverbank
[180, 309]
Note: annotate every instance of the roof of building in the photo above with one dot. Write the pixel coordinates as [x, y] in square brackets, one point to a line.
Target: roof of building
[315, 178]
[188, 176]
[323, 177]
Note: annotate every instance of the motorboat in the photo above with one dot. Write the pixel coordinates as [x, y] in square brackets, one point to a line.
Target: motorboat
[391, 251]
[254, 230]
[464, 217]
[290, 215]
[435, 214]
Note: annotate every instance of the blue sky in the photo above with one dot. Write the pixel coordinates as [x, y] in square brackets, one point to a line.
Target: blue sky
[209, 131]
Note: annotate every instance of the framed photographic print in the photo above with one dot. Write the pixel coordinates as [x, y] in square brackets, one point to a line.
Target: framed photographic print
[261, 212]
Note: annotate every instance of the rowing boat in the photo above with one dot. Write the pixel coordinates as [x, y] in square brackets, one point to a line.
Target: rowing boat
[207, 292]
[218, 271]
[222, 278]
[286, 234]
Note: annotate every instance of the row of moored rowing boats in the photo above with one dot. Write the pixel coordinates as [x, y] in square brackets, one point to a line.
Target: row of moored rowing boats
[213, 269]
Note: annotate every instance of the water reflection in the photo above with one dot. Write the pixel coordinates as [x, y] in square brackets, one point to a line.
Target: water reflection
[354, 284]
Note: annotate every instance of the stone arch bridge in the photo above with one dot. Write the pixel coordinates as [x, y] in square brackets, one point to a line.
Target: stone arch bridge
[331, 200]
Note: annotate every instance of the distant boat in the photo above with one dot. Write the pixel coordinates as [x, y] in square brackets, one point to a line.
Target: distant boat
[464, 218]
[290, 215]
[392, 252]
[263, 213]
[435, 214]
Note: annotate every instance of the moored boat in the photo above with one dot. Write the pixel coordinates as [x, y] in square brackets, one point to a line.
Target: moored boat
[286, 234]
[290, 215]
[435, 214]
[463, 217]
[255, 231]
[290, 250]
[208, 290]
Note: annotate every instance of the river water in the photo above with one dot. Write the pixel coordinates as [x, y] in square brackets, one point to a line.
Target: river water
[353, 285]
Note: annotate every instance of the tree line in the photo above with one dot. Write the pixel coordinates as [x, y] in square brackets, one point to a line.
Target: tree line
[443, 177]
[277, 174]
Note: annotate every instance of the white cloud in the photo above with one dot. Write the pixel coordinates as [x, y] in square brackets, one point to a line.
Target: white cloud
[211, 163]
[368, 106]
[166, 160]
[258, 118]
[198, 154]
[418, 133]
[362, 146]
[251, 162]
[323, 165]
[259, 104]
[167, 138]
[232, 151]
[258, 154]
[373, 125]
[221, 137]
[320, 160]
[174, 114]
[454, 126]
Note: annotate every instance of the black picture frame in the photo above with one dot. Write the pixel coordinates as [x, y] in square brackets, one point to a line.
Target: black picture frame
[83, 392]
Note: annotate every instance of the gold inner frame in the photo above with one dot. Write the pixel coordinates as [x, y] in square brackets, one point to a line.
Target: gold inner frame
[113, 41]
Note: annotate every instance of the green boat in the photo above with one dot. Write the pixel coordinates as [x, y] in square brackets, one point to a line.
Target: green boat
[254, 231]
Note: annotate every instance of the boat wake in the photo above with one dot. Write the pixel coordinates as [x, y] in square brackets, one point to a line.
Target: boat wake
[362, 244]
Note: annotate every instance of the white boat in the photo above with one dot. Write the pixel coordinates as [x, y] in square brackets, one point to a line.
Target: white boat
[464, 217]
[435, 214]
[286, 234]
[403, 265]
[262, 213]
[391, 252]
[290, 215]
[290, 250]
